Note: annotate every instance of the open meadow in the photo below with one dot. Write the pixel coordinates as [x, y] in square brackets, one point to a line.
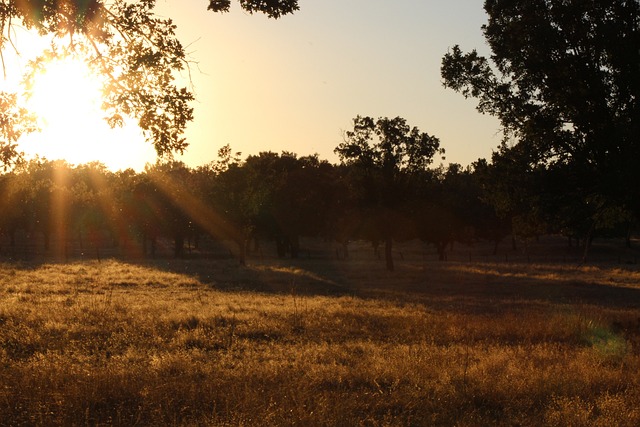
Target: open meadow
[320, 341]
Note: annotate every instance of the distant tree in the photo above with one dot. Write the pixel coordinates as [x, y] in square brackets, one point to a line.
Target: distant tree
[13, 206]
[514, 186]
[126, 222]
[268, 173]
[278, 197]
[569, 212]
[383, 154]
[145, 209]
[343, 217]
[61, 207]
[226, 158]
[301, 200]
[93, 206]
[240, 194]
[494, 220]
[49, 202]
[168, 190]
[563, 80]
[445, 209]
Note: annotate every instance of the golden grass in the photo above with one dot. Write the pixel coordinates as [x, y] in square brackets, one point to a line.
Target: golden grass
[318, 342]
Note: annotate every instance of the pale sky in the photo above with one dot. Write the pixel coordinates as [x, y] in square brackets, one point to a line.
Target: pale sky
[295, 84]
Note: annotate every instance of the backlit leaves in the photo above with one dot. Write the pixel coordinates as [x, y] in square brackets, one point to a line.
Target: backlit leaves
[272, 8]
[136, 52]
[14, 121]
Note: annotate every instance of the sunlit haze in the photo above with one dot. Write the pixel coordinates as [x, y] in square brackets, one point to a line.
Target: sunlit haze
[66, 101]
[296, 83]
[292, 84]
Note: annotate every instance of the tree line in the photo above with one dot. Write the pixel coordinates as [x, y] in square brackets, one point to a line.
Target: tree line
[385, 189]
[561, 78]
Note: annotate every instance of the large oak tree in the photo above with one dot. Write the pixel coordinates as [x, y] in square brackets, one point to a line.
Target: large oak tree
[563, 80]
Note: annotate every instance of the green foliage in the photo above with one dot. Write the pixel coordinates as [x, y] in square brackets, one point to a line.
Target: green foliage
[272, 196]
[448, 207]
[14, 122]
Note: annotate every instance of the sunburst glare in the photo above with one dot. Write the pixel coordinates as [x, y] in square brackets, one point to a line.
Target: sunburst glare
[66, 99]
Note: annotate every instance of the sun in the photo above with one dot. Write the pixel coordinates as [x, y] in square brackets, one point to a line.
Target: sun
[66, 99]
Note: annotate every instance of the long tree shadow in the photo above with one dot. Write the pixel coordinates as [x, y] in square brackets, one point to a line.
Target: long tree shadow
[487, 287]
[494, 287]
[265, 277]
[439, 286]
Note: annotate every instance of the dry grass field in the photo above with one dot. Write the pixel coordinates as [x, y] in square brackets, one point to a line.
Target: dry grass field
[319, 342]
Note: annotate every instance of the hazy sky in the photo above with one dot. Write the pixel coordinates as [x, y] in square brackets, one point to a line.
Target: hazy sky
[296, 83]
[292, 84]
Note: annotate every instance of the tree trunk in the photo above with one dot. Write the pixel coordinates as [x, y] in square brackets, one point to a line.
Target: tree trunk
[345, 248]
[442, 250]
[80, 241]
[242, 251]
[376, 248]
[294, 244]
[144, 245]
[388, 255]
[587, 242]
[178, 248]
[281, 246]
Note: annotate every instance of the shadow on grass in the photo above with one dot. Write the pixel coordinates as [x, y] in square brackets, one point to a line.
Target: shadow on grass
[467, 286]
[476, 286]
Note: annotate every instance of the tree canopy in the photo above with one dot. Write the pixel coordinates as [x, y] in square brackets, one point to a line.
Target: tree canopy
[562, 78]
[385, 154]
[272, 8]
[136, 52]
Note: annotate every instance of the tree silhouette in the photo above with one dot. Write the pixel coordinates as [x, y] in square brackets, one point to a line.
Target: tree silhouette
[299, 200]
[272, 8]
[383, 154]
[162, 192]
[563, 81]
[94, 207]
[13, 206]
[447, 208]
[241, 196]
